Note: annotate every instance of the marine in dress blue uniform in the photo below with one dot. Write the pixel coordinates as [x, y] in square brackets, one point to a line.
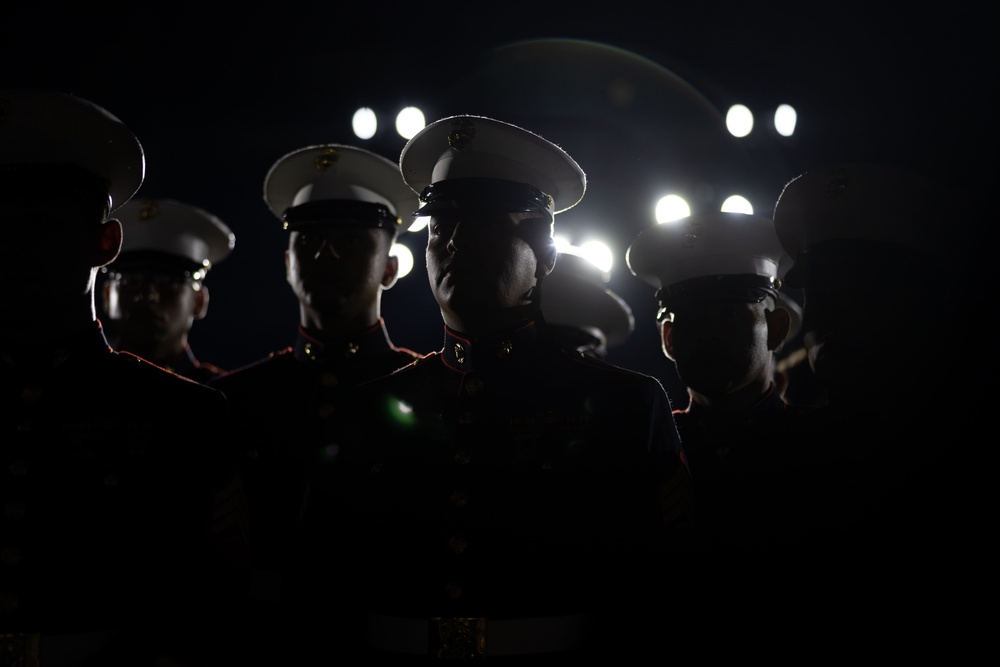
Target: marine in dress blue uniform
[718, 280]
[343, 207]
[885, 255]
[155, 291]
[107, 484]
[503, 496]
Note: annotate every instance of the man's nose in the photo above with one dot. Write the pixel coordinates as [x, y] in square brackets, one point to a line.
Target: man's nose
[459, 237]
[148, 292]
[327, 249]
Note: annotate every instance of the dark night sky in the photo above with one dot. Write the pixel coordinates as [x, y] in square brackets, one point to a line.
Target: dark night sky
[635, 98]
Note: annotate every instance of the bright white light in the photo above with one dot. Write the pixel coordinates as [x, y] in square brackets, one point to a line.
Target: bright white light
[405, 258]
[418, 223]
[784, 120]
[739, 120]
[671, 207]
[409, 121]
[595, 252]
[364, 123]
[737, 204]
[598, 254]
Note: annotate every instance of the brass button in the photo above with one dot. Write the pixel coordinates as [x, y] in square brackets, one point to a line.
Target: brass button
[466, 418]
[453, 590]
[457, 544]
[463, 456]
[18, 468]
[15, 510]
[60, 357]
[459, 498]
[10, 556]
[326, 410]
[111, 479]
[31, 393]
[252, 454]
[473, 386]
[329, 380]
[376, 468]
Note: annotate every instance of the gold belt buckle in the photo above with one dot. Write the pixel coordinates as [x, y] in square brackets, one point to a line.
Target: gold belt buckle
[19, 649]
[457, 638]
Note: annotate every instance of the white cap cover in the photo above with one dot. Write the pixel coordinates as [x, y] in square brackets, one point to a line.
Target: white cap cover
[175, 228]
[43, 127]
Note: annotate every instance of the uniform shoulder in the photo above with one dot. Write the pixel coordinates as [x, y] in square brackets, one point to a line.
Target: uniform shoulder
[386, 364]
[407, 352]
[142, 375]
[211, 370]
[403, 373]
[601, 366]
[254, 369]
[412, 358]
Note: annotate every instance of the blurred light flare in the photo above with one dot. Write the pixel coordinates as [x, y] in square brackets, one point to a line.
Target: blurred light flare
[418, 223]
[401, 412]
[409, 121]
[405, 257]
[599, 254]
[596, 252]
[364, 123]
[670, 208]
[739, 120]
[785, 118]
[737, 204]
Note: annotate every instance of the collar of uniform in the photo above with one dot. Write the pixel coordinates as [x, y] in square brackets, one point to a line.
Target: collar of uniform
[185, 362]
[54, 354]
[465, 355]
[771, 401]
[369, 342]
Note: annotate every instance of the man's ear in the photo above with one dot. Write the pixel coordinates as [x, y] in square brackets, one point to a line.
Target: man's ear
[288, 263]
[778, 322]
[109, 242]
[667, 338]
[391, 273]
[201, 302]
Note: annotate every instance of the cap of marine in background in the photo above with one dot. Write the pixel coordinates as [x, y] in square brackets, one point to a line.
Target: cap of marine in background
[720, 255]
[167, 231]
[874, 216]
[334, 185]
[579, 308]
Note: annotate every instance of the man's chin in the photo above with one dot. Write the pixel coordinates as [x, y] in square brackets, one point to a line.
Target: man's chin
[146, 330]
[328, 302]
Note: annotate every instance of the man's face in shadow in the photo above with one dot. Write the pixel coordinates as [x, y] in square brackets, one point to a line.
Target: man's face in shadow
[339, 271]
[52, 250]
[482, 262]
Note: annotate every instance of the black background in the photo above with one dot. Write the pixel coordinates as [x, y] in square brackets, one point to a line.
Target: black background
[635, 92]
